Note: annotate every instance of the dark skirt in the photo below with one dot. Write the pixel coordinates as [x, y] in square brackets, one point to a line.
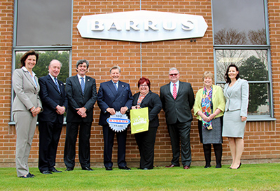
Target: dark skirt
[213, 136]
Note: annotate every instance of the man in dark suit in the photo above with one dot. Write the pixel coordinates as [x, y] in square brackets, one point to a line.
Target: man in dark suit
[113, 96]
[177, 100]
[81, 94]
[54, 102]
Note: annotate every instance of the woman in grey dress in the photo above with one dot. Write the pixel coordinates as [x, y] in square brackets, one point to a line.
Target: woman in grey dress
[209, 108]
[236, 92]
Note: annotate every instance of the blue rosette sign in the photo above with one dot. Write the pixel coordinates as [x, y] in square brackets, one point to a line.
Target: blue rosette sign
[118, 122]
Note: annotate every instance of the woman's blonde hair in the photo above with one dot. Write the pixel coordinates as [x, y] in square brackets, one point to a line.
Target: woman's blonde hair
[208, 74]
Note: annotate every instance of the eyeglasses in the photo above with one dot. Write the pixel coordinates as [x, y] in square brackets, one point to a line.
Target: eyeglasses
[143, 85]
[173, 74]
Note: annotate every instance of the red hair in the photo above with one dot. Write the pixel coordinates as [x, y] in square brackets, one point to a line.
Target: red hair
[143, 80]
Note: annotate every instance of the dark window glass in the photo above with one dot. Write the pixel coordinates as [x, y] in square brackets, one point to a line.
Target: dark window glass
[239, 22]
[44, 23]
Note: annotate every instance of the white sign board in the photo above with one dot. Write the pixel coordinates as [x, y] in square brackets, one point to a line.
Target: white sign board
[142, 26]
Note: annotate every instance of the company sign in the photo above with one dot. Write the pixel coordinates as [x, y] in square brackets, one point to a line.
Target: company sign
[142, 26]
[118, 122]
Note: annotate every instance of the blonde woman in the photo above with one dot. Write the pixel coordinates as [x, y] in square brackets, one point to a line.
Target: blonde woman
[209, 109]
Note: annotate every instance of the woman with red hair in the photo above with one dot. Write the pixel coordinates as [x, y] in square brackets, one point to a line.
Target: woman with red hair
[146, 140]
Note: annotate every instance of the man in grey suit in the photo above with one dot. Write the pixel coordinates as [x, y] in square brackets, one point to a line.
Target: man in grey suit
[177, 100]
[81, 94]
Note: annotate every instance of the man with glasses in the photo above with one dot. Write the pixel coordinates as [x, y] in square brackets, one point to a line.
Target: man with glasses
[177, 101]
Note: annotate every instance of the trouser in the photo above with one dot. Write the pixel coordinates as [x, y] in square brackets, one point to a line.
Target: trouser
[180, 132]
[146, 143]
[108, 135]
[84, 145]
[48, 141]
[25, 128]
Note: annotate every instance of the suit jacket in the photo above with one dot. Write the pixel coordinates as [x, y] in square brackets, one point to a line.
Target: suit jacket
[179, 108]
[152, 101]
[27, 94]
[76, 99]
[238, 97]
[51, 97]
[108, 97]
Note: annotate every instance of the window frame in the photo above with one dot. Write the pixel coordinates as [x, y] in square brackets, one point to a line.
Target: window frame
[16, 48]
[251, 47]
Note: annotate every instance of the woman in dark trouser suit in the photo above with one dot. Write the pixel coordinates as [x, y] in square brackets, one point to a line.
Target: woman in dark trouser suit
[146, 140]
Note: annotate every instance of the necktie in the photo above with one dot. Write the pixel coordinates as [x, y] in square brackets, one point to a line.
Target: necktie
[55, 80]
[116, 86]
[174, 91]
[82, 84]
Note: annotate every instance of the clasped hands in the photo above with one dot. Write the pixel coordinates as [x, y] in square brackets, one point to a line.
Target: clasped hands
[82, 112]
[207, 119]
[35, 111]
[60, 110]
[113, 112]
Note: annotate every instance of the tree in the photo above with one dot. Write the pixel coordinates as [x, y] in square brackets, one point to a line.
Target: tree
[253, 69]
[230, 37]
[41, 68]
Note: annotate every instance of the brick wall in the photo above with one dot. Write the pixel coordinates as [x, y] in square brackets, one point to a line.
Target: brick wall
[262, 139]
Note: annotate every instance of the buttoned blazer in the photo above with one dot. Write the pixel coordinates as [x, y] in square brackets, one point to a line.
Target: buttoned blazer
[152, 101]
[238, 97]
[108, 97]
[27, 94]
[51, 97]
[179, 108]
[76, 98]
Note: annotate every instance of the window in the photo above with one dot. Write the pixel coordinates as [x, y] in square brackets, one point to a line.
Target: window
[45, 57]
[46, 27]
[43, 23]
[241, 38]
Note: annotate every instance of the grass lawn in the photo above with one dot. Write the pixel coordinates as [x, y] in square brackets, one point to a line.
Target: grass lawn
[248, 177]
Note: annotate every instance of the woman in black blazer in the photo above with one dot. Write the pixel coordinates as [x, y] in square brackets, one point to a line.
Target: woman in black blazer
[146, 140]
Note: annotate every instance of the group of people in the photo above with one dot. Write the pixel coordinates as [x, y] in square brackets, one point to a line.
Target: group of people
[47, 100]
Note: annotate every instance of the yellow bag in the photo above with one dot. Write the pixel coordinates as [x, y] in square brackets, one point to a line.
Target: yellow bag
[139, 120]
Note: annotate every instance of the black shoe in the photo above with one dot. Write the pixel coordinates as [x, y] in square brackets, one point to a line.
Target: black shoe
[124, 168]
[109, 168]
[239, 166]
[55, 170]
[27, 176]
[87, 168]
[145, 169]
[218, 166]
[207, 166]
[46, 172]
[31, 174]
[69, 169]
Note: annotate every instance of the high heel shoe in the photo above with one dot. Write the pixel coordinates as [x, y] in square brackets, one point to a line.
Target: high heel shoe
[236, 168]
[239, 166]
